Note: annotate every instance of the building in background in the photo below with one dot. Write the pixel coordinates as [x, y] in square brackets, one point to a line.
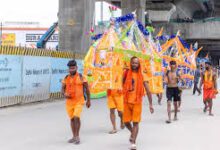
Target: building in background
[26, 34]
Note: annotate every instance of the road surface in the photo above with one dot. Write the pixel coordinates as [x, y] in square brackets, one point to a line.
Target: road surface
[45, 126]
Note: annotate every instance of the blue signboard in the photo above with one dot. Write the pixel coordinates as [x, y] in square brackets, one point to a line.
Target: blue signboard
[36, 75]
[80, 65]
[59, 71]
[10, 75]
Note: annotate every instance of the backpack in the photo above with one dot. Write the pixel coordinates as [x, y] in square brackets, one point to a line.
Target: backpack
[84, 88]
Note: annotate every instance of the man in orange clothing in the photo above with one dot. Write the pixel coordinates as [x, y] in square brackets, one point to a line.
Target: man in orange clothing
[208, 80]
[115, 101]
[134, 84]
[73, 88]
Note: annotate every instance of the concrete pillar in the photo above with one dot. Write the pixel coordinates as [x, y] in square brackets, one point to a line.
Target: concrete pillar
[129, 6]
[141, 11]
[75, 19]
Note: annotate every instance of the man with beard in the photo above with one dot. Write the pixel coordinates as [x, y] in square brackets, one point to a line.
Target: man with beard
[134, 84]
[74, 86]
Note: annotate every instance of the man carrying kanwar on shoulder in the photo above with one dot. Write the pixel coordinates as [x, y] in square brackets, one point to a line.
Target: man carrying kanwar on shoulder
[75, 89]
[134, 84]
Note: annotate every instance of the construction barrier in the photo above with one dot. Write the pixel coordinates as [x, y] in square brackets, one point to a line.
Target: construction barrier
[30, 75]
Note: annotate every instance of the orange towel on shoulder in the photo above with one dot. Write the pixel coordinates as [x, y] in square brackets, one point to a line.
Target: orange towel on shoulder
[129, 85]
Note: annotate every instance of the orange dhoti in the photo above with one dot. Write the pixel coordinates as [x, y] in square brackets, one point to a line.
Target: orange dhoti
[209, 94]
[208, 91]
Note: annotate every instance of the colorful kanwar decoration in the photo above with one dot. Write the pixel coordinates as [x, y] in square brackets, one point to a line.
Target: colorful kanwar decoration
[102, 66]
[111, 51]
[151, 63]
[174, 49]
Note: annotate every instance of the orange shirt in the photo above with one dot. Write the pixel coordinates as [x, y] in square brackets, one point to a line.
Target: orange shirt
[74, 87]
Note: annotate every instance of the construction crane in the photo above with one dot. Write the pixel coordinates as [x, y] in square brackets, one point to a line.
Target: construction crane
[43, 40]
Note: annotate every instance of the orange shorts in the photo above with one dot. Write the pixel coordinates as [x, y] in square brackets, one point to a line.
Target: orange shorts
[74, 110]
[132, 112]
[116, 102]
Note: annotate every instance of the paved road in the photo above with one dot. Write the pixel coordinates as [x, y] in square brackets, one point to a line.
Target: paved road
[45, 126]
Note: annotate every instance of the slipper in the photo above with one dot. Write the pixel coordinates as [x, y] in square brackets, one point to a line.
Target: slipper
[168, 121]
[77, 141]
[71, 140]
[133, 147]
[112, 132]
[122, 126]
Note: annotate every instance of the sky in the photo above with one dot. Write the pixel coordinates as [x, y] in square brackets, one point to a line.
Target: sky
[43, 11]
[106, 12]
